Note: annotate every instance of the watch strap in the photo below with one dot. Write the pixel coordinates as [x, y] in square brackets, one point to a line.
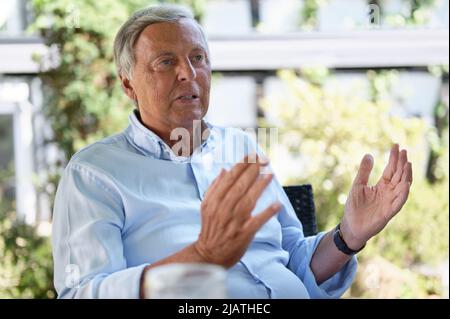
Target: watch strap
[341, 244]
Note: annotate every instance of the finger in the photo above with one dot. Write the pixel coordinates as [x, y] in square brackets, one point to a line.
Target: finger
[364, 170]
[248, 228]
[400, 200]
[256, 222]
[260, 185]
[392, 164]
[236, 195]
[241, 184]
[243, 208]
[233, 228]
[210, 191]
[231, 177]
[210, 206]
[399, 189]
[403, 158]
[406, 180]
[407, 173]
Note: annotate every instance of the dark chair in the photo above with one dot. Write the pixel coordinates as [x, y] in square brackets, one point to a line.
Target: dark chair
[302, 199]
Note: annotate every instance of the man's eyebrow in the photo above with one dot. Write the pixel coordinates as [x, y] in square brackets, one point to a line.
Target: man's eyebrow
[199, 48]
[170, 53]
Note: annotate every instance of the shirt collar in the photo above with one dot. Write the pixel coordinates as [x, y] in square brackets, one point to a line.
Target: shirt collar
[152, 145]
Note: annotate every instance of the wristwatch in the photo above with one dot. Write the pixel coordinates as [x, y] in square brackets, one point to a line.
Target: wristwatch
[340, 243]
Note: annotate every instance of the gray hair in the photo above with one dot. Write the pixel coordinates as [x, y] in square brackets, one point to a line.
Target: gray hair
[128, 34]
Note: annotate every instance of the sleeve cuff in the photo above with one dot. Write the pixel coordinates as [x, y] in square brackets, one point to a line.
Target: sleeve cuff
[129, 281]
[333, 287]
[123, 284]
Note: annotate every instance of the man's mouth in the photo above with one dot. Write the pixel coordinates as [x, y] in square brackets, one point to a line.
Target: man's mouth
[188, 97]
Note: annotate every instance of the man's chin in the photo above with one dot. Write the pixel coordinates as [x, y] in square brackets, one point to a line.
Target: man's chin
[190, 119]
[190, 124]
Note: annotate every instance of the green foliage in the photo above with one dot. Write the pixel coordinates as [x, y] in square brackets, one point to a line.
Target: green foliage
[419, 234]
[328, 129]
[308, 13]
[332, 130]
[412, 13]
[84, 101]
[26, 265]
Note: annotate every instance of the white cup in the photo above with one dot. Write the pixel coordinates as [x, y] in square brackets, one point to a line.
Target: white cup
[186, 281]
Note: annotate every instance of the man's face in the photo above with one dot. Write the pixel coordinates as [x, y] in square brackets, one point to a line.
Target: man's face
[172, 75]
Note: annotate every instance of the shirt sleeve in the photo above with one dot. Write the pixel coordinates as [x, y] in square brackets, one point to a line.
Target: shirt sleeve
[88, 255]
[301, 250]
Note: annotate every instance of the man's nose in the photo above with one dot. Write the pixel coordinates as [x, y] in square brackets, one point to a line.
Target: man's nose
[186, 71]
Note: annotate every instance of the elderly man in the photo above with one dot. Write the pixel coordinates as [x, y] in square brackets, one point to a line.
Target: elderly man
[144, 198]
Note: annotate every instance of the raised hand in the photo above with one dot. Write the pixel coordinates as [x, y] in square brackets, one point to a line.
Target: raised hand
[369, 208]
[227, 224]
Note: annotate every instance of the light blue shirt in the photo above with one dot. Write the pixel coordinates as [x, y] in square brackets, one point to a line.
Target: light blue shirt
[127, 201]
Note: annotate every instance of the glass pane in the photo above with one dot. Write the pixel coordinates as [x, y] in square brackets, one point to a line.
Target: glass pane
[7, 181]
[219, 13]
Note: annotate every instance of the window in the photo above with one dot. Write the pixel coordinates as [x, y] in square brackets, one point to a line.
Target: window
[7, 181]
[17, 191]
[13, 17]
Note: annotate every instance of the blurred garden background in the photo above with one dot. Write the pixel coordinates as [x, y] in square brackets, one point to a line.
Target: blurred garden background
[337, 78]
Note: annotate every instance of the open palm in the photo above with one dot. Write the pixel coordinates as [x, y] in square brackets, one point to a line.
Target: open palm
[369, 208]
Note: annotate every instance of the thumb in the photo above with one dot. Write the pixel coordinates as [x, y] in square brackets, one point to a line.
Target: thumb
[364, 170]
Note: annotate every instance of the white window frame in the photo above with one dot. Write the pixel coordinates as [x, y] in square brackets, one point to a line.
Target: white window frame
[357, 49]
[23, 157]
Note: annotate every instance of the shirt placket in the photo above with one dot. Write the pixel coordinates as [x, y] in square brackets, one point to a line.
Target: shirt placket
[202, 170]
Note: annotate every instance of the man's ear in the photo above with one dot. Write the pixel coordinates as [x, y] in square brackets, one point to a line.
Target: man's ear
[128, 88]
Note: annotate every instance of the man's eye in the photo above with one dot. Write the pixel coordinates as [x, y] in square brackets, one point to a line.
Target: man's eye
[166, 62]
[199, 57]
